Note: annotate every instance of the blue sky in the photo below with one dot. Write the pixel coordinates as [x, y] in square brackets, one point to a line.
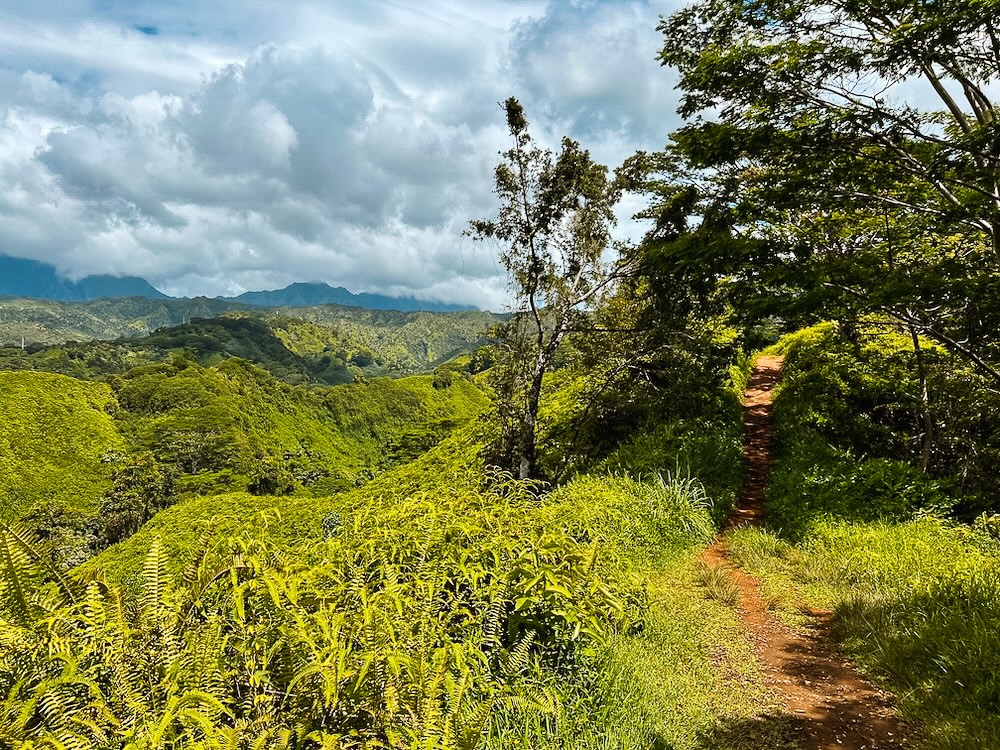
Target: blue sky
[215, 147]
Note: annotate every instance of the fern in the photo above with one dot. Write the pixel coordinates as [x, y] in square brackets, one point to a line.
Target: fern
[154, 581]
[18, 579]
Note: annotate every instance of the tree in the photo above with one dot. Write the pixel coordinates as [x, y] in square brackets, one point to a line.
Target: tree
[140, 487]
[554, 230]
[849, 198]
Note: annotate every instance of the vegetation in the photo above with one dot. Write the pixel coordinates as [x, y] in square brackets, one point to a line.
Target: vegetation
[229, 533]
[471, 610]
[437, 604]
[327, 345]
[856, 529]
[826, 195]
[87, 464]
[56, 433]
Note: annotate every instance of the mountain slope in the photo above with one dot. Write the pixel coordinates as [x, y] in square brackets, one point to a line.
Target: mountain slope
[309, 294]
[336, 346]
[40, 321]
[215, 428]
[20, 277]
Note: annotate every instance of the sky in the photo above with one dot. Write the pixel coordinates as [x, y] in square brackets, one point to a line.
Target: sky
[218, 147]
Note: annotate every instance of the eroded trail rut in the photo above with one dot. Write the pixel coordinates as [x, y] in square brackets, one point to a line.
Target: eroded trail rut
[832, 705]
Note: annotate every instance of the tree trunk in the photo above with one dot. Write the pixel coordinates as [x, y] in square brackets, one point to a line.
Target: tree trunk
[528, 464]
[925, 402]
[529, 428]
[995, 236]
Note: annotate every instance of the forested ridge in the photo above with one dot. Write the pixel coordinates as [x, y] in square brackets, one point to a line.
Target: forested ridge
[241, 532]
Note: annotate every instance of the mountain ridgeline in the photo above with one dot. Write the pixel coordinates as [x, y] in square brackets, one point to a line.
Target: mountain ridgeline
[20, 277]
[322, 345]
[308, 294]
[32, 279]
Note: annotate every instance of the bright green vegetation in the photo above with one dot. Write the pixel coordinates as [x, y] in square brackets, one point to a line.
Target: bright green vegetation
[916, 595]
[404, 340]
[56, 430]
[86, 464]
[473, 613]
[382, 341]
[279, 563]
[435, 605]
[234, 415]
[335, 345]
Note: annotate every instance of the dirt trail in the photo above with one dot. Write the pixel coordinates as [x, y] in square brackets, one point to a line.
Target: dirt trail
[832, 705]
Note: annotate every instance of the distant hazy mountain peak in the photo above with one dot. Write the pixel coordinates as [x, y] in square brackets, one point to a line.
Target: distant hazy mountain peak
[20, 277]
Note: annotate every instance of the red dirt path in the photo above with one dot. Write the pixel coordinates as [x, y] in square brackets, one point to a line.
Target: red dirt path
[832, 704]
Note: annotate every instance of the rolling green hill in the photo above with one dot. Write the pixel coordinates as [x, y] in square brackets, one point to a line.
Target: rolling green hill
[327, 345]
[233, 415]
[56, 430]
[49, 322]
[43, 322]
[229, 428]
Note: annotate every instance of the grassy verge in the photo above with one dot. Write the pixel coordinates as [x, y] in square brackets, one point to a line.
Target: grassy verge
[690, 680]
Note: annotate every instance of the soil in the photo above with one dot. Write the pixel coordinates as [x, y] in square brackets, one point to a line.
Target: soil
[832, 705]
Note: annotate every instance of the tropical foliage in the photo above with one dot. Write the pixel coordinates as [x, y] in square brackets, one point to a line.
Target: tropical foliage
[420, 621]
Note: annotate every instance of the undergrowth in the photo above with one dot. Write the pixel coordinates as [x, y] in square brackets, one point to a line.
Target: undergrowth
[433, 618]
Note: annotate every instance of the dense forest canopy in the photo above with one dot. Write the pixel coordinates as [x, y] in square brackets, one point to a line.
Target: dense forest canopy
[850, 152]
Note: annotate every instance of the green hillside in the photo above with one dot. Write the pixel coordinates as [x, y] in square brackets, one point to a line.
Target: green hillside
[233, 416]
[403, 341]
[290, 522]
[46, 322]
[56, 431]
[334, 345]
[49, 322]
[86, 464]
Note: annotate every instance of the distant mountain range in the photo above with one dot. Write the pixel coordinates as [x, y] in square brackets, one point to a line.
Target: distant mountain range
[317, 293]
[31, 278]
[36, 280]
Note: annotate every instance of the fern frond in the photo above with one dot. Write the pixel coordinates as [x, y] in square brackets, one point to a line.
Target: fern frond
[516, 660]
[16, 581]
[154, 580]
[38, 552]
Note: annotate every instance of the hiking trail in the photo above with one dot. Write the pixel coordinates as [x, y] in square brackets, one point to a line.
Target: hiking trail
[831, 704]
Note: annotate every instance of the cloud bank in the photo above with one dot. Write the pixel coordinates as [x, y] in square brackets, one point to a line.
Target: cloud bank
[213, 151]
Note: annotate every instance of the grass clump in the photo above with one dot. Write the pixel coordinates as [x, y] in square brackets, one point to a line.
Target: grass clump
[718, 582]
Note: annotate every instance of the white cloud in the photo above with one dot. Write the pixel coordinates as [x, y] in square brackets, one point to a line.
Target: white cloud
[217, 151]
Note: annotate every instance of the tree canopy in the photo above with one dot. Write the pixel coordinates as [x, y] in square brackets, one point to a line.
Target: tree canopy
[852, 150]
